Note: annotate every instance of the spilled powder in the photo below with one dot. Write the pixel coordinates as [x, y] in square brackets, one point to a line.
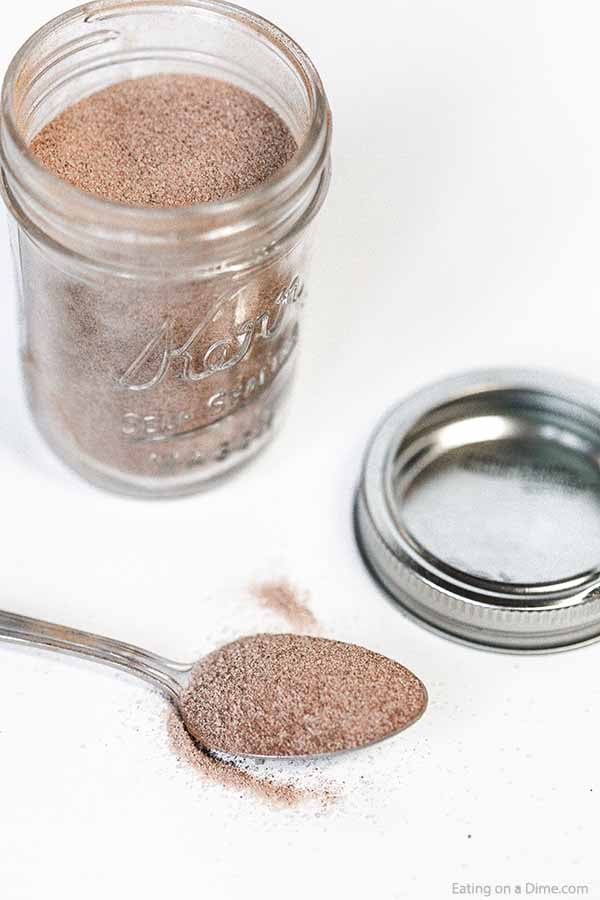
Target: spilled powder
[283, 599]
[231, 774]
[166, 140]
[289, 694]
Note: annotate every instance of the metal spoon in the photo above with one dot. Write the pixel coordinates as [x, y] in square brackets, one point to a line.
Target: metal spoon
[172, 678]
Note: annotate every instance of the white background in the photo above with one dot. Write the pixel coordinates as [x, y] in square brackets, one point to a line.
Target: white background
[461, 230]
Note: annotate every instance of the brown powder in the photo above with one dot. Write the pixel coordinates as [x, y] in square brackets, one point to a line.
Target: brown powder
[157, 384]
[283, 599]
[232, 775]
[166, 140]
[286, 694]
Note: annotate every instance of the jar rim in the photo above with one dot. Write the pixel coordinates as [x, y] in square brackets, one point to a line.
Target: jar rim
[310, 157]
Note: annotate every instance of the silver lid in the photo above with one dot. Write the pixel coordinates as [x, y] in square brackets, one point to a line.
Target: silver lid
[479, 509]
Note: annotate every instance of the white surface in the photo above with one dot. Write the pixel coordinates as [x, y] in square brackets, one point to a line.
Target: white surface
[461, 230]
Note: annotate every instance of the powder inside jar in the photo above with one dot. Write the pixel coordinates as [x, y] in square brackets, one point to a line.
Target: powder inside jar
[166, 140]
[287, 694]
[157, 382]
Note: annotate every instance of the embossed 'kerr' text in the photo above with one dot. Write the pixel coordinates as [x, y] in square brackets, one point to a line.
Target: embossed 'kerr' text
[220, 356]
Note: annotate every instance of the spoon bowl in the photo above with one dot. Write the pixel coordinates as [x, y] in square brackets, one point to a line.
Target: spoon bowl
[179, 680]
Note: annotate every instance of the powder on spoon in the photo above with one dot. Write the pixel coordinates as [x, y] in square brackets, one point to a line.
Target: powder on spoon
[166, 140]
[288, 694]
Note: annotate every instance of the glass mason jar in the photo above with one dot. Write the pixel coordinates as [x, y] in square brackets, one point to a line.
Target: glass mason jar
[158, 344]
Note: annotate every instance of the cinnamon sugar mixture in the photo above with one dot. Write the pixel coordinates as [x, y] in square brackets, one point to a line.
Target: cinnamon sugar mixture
[288, 694]
[282, 598]
[166, 140]
[162, 381]
[232, 773]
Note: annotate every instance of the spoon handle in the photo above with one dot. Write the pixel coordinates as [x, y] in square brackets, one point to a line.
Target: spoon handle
[163, 673]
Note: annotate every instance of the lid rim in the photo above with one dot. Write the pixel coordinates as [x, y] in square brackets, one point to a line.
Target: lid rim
[477, 636]
[477, 610]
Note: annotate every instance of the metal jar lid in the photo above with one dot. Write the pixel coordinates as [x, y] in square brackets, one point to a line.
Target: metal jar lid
[479, 509]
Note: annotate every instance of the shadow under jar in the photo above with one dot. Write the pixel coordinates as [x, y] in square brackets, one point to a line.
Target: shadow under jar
[158, 344]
